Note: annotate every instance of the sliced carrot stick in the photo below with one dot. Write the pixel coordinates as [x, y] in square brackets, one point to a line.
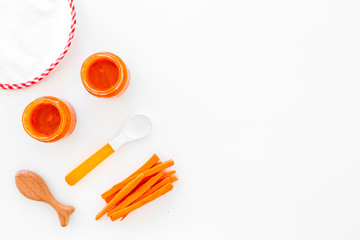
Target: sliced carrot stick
[147, 173]
[154, 188]
[155, 165]
[108, 199]
[173, 178]
[163, 190]
[137, 194]
[116, 188]
[165, 175]
[158, 168]
[150, 176]
[150, 163]
[157, 186]
[120, 195]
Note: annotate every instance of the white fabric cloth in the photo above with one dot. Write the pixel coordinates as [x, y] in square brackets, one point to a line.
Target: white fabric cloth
[33, 33]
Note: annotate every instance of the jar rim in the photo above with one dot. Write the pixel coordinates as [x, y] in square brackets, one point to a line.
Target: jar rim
[28, 113]
[92, 59]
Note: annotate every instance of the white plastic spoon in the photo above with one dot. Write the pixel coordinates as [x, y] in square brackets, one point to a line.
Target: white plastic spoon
[136, 127]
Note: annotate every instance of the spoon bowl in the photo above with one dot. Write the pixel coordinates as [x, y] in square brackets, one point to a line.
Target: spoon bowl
[137, 126]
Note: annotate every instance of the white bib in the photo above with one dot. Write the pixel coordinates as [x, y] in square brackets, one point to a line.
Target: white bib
[33, 34]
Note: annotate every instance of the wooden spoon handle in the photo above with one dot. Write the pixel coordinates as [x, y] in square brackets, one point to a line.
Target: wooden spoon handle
[64, 212]
[34, 187]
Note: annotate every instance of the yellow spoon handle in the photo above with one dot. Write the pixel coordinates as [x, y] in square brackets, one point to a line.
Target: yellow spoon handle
[89, 164]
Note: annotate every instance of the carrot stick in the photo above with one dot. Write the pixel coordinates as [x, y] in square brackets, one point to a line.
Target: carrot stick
[156, 169]
[161, 182]
[116, 188]
[147, 177]
[152, 172]
[165, 175]
[137, 194]
[108, 199]
[153, 196]
[150, 163]
[154, 188]
[154, 165]
[157, 186]
[120, 195]
[173, 178]
[152, 175]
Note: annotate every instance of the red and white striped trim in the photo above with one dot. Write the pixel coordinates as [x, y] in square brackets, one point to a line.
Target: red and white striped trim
[53, 65]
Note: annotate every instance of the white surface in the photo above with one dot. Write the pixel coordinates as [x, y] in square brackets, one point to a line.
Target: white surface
[256, 101]
[33, 35]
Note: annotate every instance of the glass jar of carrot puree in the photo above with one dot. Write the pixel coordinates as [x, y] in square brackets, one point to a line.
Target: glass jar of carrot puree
[105, 75]
[49, 119]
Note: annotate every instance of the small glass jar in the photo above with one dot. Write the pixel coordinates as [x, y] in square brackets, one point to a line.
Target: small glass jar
[105, 75]
[49, 119]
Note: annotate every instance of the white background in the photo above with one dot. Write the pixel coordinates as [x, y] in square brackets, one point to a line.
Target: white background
[256, 101]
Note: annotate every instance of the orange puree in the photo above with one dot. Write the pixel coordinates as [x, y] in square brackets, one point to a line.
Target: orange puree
[105, 75]
[49, 119]
[45, 119]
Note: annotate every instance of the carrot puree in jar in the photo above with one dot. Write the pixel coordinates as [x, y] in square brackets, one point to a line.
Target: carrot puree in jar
[49, 119]
[105, 75]
[45, 119]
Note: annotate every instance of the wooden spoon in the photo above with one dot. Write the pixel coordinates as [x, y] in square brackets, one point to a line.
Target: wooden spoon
[34, 187]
